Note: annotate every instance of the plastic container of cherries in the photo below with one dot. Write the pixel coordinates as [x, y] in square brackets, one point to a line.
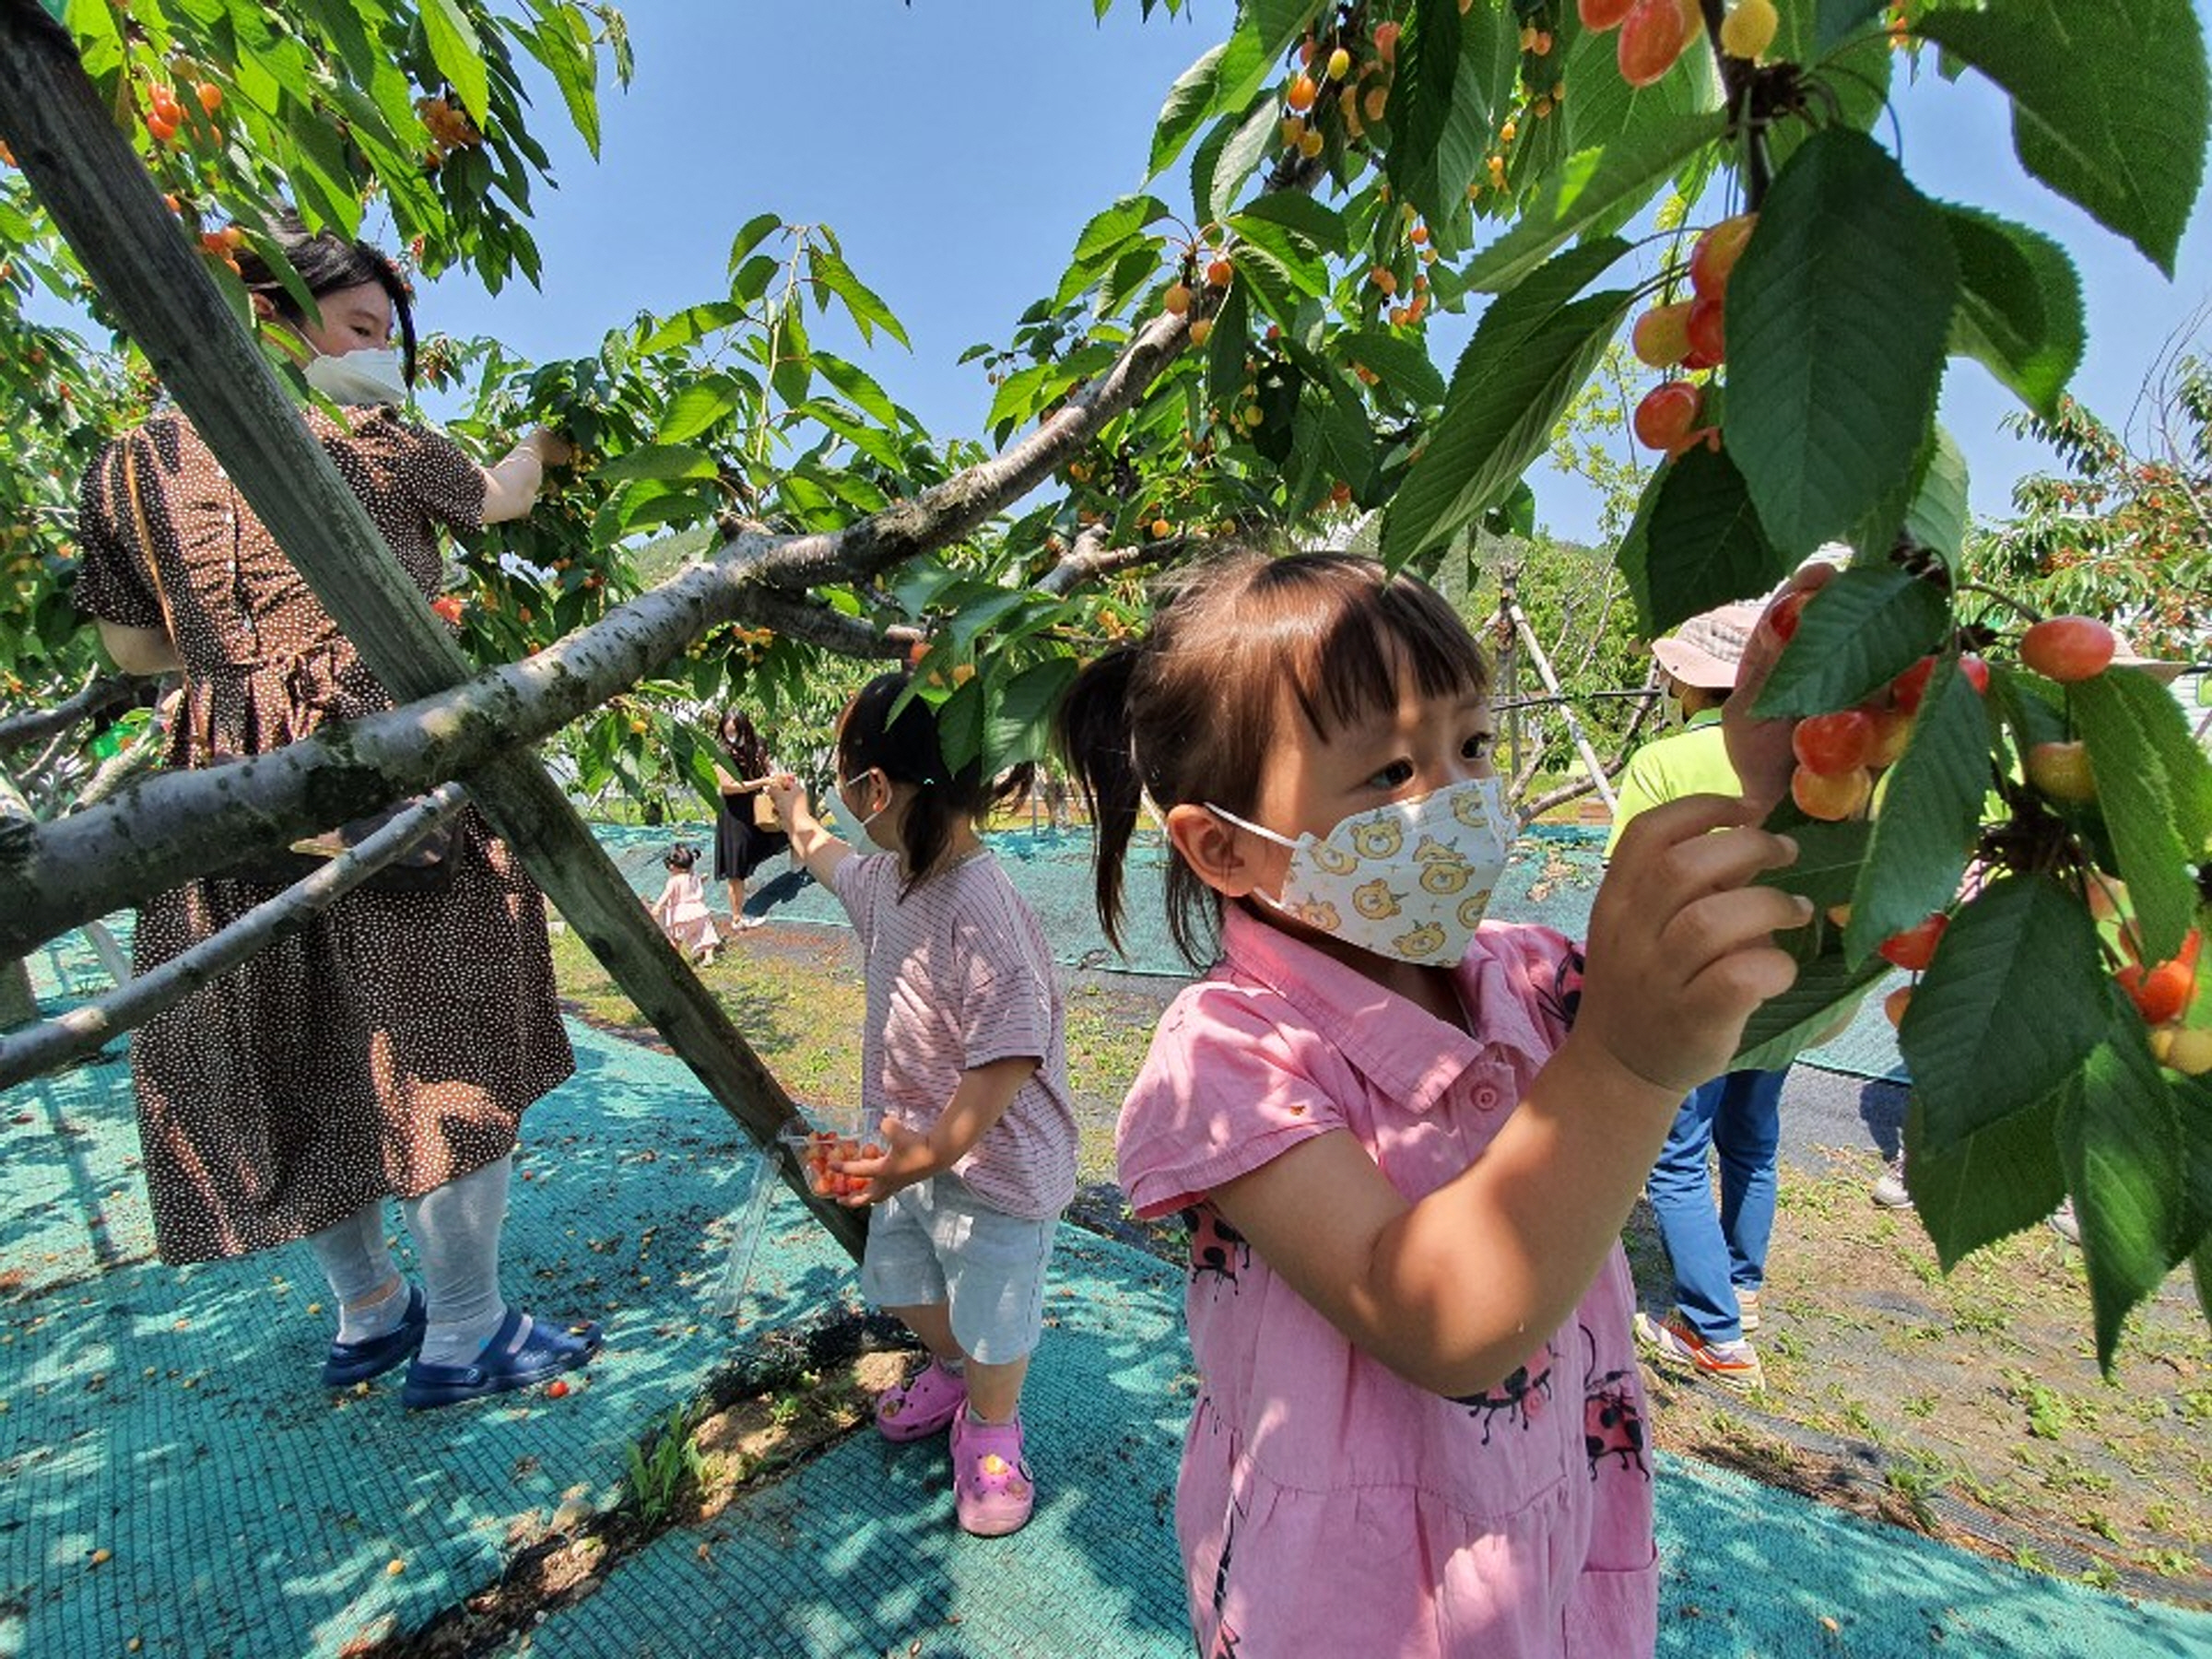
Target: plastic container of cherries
[820, 1147]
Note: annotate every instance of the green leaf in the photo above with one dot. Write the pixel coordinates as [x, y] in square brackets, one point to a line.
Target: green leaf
[2123, 1151]
[1700, 542]
[854, 385]
[1862, 630]
[1110, 230]
[2010, 1007]
[1225, 78]
[1837, 320]
[2159, 822]
[868, 312]
[750, 235]
[1828, 857]
[662, 461]
[2019, 305]
[1402, 366]
[1229, 156]
[690, 323]
[2109, 103]
[1320, 229]
[1591, 186]
[459, 54]
[698, 405]
[1022, 714]
[1836, 21]
[2192, 1113]
[1531, 353]
[1940, 512]
[1997, 1182]
[1783, 1027]
[1440, 108]
[1930, 812]
[1280, 23]
[562, 42]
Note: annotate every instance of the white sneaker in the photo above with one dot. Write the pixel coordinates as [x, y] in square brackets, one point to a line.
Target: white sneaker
[1889, 1191]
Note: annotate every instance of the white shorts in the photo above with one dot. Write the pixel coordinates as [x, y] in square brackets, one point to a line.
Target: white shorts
[936, 1241]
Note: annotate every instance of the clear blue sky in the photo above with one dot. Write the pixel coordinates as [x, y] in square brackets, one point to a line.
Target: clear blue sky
[958, 146]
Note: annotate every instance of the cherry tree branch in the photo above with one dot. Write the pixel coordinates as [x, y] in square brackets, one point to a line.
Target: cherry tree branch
[1091, 558]
[100, 694]
[85, 1028]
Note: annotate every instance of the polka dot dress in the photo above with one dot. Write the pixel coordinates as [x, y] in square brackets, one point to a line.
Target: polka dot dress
[392, 1043]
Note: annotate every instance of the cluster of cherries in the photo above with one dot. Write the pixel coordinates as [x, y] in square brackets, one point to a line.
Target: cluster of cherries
[1689, 334]
[825, 1147]
[1838, 754]
[1654, 33]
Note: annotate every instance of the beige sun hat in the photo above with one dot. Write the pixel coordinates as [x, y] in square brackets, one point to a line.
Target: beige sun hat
[2125, 656]
[1705, 650]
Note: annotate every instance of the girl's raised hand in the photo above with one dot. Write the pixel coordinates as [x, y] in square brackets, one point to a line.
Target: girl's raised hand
[1681, 948]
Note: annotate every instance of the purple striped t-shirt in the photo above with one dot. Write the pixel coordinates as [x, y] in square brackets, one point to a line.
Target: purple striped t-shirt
[958, 976]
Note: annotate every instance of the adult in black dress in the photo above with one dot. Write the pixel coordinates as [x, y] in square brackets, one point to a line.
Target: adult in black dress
[741, 843]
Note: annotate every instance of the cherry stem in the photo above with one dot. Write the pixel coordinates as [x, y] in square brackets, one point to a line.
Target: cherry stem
[2017, 606]
[1736, 79]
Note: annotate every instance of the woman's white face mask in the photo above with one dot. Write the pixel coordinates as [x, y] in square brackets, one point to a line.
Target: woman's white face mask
[371, 375]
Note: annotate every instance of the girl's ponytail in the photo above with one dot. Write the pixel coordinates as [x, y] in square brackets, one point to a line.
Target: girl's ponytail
[1091, 732]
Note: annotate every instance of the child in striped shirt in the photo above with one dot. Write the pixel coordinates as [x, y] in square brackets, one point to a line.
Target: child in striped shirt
[964, 1069]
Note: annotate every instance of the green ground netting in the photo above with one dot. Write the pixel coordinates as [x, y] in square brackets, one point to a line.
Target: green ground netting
[1552, 878]
[172, 1416]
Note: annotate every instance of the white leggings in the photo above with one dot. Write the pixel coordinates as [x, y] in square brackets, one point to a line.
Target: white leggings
[456, 1233]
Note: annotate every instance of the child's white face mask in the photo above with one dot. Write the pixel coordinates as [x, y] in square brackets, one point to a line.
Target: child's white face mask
[373, 375]
[1409, 880]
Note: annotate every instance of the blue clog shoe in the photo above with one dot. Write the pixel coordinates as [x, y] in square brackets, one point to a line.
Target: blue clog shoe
[351, 1362]
[546, 1352]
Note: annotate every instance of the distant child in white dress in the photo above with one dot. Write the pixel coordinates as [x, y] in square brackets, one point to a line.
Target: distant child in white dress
[681, 910]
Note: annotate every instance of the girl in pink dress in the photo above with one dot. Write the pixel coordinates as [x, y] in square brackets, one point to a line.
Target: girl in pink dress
[681, 910]
[1407, 1139]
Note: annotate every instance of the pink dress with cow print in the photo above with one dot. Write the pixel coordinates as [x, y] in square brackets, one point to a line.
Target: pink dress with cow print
[1325, 1505]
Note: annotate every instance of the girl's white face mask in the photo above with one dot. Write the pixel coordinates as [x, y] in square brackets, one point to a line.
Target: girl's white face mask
[373, 375]
[1409, 880]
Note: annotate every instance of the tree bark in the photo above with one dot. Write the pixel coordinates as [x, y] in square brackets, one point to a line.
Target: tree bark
[18, 1005]
[86, 1028]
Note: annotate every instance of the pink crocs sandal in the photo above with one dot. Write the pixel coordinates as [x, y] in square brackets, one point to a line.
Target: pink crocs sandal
[992, 1490]
[920, 1405]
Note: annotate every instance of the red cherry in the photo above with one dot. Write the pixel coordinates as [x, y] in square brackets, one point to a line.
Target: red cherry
[1915, 948]
[2068, 648]
[1909, 687]
[1707, 330]
[1783, 619]
[1601, 15]
[2160, 993]
[1651, 37]
[1834, 744]
[557, 1388]
[1713, 260]
[1831, 796]
[1977, 674]
[1667, 413]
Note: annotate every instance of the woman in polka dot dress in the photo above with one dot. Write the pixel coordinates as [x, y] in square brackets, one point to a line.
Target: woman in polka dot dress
[389, 1047]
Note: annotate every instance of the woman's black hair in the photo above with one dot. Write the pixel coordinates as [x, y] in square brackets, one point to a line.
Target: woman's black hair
[326, 262]
[906, 750]
[1245, 642]
[743, 742]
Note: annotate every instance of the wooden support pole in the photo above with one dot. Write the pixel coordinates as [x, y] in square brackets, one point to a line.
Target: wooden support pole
[1591, 763]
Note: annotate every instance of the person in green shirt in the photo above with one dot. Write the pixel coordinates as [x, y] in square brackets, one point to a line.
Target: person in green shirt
[1719, 1255]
